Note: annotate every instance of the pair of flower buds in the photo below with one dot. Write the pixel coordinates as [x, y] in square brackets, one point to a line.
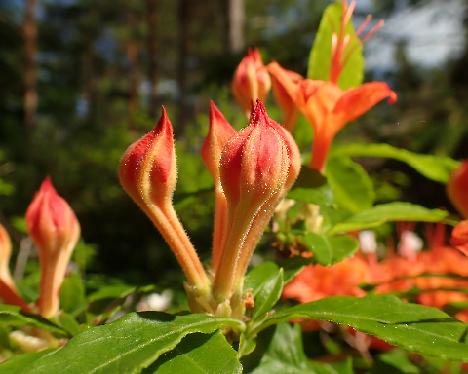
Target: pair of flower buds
[54, 229]
[252, 171]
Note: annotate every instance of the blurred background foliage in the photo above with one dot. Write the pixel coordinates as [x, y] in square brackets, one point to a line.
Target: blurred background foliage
[80, 80]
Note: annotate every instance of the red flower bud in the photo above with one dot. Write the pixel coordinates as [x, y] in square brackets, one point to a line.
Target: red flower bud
[148, 168]
[219, 134]
[5, 254]
[54, 228]
[148, 174]
[257, 167]
[459, 238]
[8, 292]
[251, 80]
[458, 188]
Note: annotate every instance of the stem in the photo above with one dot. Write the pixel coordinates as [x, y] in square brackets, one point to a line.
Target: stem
[220, 221]
[166, 221]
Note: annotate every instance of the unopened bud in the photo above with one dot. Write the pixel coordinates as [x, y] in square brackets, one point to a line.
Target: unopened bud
[54, 228]
[148, 174]
[219, 134]
[257, 167]
[251, 80]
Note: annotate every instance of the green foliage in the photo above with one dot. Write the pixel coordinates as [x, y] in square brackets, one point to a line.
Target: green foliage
[413, 327]
[350, 183]
[127, 345]
[437, 168]
[329, 250]
[201, 354]
[266, 281]
[320, 56]
[380, 214]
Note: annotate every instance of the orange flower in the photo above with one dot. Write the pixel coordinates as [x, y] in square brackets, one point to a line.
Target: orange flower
[284, 88]
[459, 238]
[251, 80]
[329, 109]
[458, 188]
[55, 230]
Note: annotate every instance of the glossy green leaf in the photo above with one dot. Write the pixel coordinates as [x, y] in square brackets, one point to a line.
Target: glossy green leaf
[319, 65]
[199, 354]
[413, 327]
[128, 344]
[350, 183]
[266, 281]
[12, 316]
[329, 250]
[285, 354]
[18, 364]
[380, 214]
[113, 291]
[437, 168]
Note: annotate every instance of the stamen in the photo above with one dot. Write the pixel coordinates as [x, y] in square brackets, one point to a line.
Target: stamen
[364, 25]
[348, 11]
[373, 30]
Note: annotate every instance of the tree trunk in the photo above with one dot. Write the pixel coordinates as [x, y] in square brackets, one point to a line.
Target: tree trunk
[30, 64]
[151, 46]
[236, 26]
[182, 53]
[133, 73]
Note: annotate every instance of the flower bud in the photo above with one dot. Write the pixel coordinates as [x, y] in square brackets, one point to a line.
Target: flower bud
[148, 174]
[255, 171]
[219, 134]
[5, 254]
[251, 80]
[8, 291]
[148, 168]
[458, 188]
[54, 228]
[459, 238]
[284, 84]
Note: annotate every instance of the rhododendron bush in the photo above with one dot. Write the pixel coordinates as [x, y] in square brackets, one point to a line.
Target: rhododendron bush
[340, 284]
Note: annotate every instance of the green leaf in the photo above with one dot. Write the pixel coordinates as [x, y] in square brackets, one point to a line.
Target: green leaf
[395, 361]
[12, 316]
[329, 250]
[311, 187]
[69, 324]
[350, 183]
[319, 65]
[285, 354]
[199, 354]
[128, 344]
[437, 168]
[17, 364]
[114, 291]
[413, 327]
[380, 214]
[266, 281]
[72, 295]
